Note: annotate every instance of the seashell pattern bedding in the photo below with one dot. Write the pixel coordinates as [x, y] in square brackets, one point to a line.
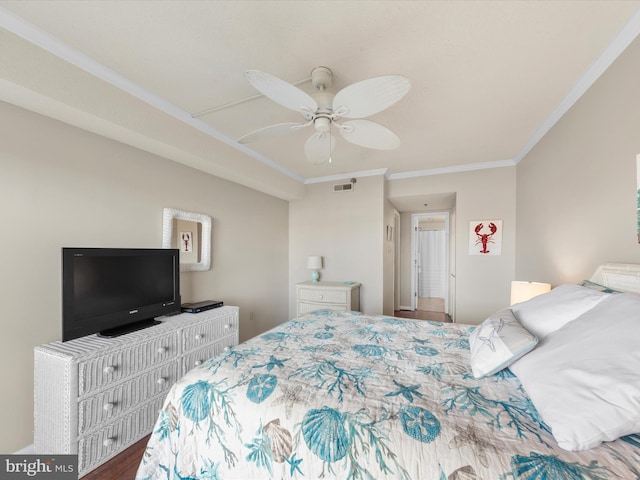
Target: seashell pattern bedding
[342, 395]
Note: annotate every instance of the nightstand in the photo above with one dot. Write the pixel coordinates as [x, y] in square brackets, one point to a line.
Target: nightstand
[341, 296]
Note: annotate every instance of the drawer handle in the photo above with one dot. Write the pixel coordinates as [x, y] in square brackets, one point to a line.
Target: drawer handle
[162, 350]
[199, 336]
[109, 370]
[198, 363]
[161, 381]
[321, 297]
[108, 442]
[108, 406]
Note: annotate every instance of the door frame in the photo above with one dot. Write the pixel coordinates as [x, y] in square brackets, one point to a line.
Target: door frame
[396, 260]
[415, 218]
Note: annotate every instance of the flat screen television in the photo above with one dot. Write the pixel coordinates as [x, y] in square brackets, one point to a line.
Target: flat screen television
[112, 291]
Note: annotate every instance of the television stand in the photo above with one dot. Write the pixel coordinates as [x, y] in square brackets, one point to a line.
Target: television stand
[94, 397]
[131, 327]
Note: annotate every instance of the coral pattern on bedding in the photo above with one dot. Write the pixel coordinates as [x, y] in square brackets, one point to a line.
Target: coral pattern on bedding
[341, 395]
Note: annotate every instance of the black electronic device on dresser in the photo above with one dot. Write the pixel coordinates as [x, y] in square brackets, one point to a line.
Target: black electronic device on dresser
[112, 291]
[201, 306]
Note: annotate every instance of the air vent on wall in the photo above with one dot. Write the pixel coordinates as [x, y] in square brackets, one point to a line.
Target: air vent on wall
[344, 187]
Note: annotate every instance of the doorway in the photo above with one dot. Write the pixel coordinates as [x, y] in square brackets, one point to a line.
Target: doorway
[430, 261]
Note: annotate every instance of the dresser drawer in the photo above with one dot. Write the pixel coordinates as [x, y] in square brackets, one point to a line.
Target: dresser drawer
[204, 333]
[199, 357]
[322, 296]
[105, 443]
[102, 371]
[111, 403]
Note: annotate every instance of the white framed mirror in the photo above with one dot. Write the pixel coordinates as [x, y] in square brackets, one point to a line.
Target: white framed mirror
[190, 233]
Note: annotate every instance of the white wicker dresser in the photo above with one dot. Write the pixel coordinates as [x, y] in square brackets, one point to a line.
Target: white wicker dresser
[97, 396]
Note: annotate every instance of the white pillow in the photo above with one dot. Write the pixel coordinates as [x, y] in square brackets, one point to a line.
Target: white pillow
[584, 379]
[550, 311]
[497, 342]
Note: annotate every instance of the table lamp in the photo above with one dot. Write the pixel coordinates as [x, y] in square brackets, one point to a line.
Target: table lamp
[522, 291]
[314, 263]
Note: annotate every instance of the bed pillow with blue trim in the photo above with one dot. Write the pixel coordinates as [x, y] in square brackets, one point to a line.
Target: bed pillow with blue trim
[598, 287]
[498, 342]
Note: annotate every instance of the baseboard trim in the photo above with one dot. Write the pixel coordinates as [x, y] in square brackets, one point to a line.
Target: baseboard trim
[409, 309]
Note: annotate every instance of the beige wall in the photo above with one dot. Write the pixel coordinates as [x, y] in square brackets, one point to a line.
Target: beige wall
[61, 186]
[577, 188]
[482, 283]
[347, 229]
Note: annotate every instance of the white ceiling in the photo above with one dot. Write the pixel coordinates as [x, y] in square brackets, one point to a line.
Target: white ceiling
[489, 78]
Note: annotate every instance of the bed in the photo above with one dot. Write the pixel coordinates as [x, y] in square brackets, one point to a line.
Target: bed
[343, 395]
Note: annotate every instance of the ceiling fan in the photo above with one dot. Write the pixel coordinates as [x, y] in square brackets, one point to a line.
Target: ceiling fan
[323, 110]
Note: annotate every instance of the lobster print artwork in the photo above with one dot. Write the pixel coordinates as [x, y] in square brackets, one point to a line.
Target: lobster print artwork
[185, 242]
[485, 237]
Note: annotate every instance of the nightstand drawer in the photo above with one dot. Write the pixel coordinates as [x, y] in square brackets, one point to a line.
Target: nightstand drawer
[322, 296]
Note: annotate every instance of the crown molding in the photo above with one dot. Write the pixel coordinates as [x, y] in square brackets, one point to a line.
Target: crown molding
[457, 169]
[620, 42]
[347, 176]
[417, 173]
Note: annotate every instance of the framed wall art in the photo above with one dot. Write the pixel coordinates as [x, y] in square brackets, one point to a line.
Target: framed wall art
[485, 237]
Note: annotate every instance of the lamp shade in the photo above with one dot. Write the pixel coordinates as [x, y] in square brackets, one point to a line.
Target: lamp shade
[522, 291]
[314, 263]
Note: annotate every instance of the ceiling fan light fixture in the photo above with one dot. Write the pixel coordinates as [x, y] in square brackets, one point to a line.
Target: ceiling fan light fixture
[322, 124]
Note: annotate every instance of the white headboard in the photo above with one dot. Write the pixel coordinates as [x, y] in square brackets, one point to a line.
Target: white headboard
[619, 276]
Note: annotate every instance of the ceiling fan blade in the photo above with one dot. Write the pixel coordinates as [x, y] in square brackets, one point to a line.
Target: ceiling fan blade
[282, 92]
[319, 147]
[368, 134]
[272, 131]
[367, 97]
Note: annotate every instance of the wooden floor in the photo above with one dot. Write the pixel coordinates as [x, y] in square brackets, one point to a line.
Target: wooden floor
[423, 315]
[121, 467]
[430, 304]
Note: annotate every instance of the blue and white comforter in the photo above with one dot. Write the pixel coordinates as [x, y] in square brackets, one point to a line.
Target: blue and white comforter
[354, 397]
